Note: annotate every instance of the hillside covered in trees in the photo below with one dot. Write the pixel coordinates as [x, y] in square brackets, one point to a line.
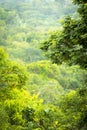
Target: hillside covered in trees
[25, 24]
[43, 65]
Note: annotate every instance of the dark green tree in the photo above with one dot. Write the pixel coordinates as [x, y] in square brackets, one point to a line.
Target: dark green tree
[70, 44]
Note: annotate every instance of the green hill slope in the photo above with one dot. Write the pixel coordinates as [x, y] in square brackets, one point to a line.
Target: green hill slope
[29, 22]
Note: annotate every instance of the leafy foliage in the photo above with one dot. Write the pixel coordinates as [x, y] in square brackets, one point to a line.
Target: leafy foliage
[42, 95]
[50, 80]
[11, 74]
[70, 44]
[20, 110]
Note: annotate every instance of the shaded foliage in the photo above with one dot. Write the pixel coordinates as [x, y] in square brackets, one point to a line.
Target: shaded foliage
[70, 44]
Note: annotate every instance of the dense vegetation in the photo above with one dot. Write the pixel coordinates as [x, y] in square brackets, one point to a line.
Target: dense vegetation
[24, 24]
[37, 94]
[70, 44]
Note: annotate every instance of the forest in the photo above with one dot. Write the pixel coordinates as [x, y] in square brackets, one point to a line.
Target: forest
[43, 65]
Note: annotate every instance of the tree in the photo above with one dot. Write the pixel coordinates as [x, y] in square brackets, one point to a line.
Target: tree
[70, 44]
[12, 75]
[74, 108]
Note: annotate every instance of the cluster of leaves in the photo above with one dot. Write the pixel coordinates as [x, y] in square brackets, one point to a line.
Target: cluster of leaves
[70, 44]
